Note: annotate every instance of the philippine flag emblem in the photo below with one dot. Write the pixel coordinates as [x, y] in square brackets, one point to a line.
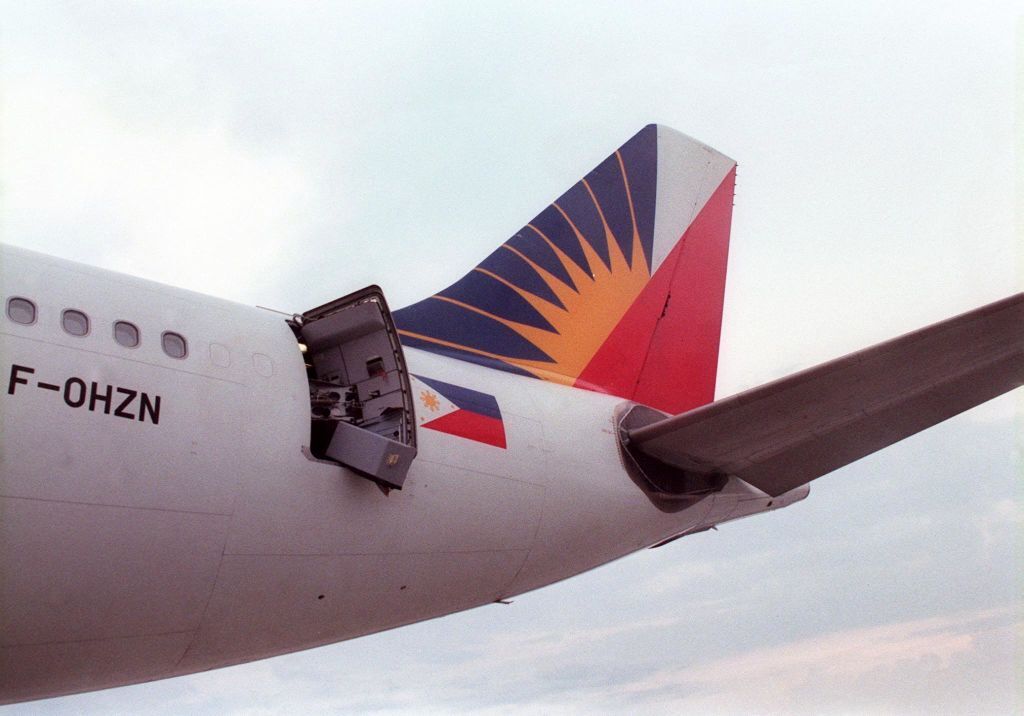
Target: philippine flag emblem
[458, 411]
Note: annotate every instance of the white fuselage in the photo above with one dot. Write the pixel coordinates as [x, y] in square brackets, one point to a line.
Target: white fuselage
[138, 546]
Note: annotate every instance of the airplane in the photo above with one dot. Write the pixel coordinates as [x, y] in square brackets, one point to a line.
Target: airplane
[188, 483]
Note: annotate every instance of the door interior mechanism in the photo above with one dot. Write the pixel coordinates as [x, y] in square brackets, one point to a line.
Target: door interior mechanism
[361, 410]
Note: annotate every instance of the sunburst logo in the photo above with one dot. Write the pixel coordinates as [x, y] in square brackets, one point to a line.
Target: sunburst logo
[430, 401]
[599, 295]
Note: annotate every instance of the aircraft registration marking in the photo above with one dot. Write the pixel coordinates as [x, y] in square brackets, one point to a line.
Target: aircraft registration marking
[96, 397]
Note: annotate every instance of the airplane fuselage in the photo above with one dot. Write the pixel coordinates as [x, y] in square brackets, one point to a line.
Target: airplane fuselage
[164, 515]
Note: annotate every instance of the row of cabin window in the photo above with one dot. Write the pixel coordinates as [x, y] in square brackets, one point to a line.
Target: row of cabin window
[76, 323]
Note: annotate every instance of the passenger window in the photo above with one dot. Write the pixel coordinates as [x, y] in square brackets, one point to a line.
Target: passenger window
[219, 355]
[174, 345]
[75, 322]
[21, 310]
[126, 334]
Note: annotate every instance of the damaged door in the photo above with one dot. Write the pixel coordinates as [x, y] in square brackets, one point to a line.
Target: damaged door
[360, 403]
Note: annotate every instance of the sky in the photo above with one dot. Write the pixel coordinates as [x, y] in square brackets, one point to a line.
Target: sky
[285, 154]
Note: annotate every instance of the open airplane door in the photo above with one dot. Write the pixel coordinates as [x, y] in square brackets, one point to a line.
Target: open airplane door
[360, 402]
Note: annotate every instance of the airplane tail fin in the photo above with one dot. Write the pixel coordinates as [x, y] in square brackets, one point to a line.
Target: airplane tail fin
[616, 287]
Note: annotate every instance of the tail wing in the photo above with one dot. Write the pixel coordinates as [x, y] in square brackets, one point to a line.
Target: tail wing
[786, 433]
[615, 287]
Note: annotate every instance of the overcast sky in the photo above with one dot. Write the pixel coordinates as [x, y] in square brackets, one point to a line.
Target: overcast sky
[285, 154]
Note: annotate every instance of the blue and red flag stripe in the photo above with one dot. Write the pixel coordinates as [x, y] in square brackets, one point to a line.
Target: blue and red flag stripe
[476, 416]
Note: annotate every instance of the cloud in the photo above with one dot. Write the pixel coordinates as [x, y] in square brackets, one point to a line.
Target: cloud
[190, 206]
[897, 667]
[853, 669]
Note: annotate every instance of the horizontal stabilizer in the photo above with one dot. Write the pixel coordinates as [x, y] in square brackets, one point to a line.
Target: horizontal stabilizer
[788, 432]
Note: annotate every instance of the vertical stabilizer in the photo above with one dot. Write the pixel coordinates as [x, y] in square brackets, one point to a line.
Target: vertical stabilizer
[615, 287]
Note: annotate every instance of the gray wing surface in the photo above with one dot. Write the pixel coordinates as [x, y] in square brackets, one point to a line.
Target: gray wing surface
[786, 433]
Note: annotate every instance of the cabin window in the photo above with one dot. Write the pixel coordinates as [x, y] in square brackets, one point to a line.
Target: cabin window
[263, 365]
[174, 345]
[219, 355]
[126, 334]
[75, 322]
[21, 310]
